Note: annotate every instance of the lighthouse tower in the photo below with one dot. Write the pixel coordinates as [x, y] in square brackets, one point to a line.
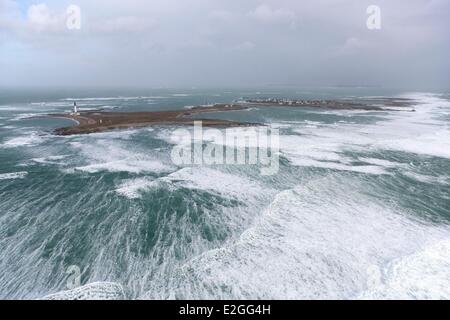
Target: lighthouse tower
[75, 110]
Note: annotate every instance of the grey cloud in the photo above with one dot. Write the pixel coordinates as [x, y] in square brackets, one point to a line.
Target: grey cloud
[204, 42]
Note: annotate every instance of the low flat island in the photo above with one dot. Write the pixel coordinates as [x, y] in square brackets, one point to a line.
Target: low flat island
[97, 120]
[92, 121]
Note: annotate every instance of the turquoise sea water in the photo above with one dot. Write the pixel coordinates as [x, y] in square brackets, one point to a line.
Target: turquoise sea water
[360, 207]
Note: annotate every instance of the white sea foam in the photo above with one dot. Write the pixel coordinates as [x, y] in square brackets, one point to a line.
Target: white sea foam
[109, 98]
[35, 106]
[132, 188]
[51, 104]
[220, 182]
[133, 166]
[319, 241]
[401, 109]
[181, 95]
[239, 137]
[108, 107]
[423, 275]
[91, 291]
[108, 155]
[24, 116]
[248, 109]
[422, 132]
[382, 162]
[323, 152]
[444, 180]
[49, 159]
[15, 108]
[368, 169]
[225, 184]
[30, 139]
[13, 175]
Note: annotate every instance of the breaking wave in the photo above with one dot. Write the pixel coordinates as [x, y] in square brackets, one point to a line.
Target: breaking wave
[317, 241]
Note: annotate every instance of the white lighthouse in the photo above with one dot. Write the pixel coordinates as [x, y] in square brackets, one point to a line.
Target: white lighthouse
[75, 109]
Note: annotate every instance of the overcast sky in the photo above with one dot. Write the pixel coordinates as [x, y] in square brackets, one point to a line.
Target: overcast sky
[193, 43]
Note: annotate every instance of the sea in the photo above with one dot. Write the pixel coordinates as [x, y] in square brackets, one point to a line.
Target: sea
[359, 208]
